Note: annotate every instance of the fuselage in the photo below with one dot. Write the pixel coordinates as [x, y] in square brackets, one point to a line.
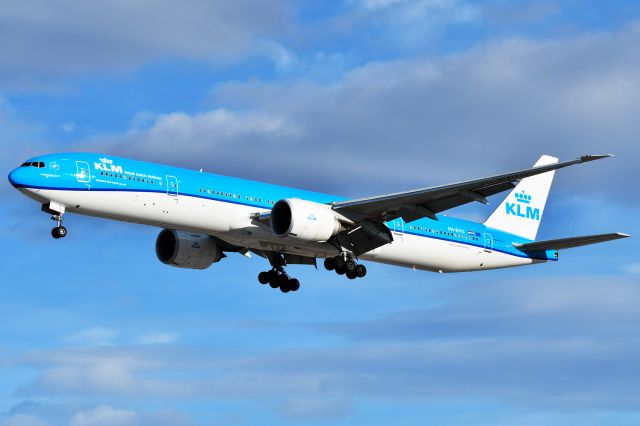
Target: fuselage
[221, 206]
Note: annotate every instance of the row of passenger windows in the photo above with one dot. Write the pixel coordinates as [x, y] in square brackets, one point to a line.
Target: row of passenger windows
[234, 195]
[126, 177]
[450, 234]
[38, 164]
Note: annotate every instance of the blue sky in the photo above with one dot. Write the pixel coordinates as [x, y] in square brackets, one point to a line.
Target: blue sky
[354, 97]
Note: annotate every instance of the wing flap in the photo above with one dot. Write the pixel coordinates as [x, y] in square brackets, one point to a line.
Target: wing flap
[565, 243]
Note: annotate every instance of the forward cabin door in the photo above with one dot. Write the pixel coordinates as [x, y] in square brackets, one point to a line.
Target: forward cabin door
[172, 187]
[83, 173]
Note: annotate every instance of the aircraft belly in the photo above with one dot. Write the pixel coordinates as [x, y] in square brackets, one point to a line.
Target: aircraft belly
[434, 254]
[232, 223]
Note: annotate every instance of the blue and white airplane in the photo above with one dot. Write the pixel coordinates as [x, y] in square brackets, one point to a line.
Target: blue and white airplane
[205, 216]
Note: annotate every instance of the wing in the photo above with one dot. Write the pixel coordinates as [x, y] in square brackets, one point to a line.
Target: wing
[369, 214]
[419, 203]
[565, 243]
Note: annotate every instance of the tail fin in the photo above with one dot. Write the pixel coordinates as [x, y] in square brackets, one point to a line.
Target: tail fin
[521, 212]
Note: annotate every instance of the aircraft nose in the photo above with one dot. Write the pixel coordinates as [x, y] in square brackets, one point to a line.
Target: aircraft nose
[16, 177]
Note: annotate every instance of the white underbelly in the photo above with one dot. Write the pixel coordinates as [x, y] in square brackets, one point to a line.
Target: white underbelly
[231, 222]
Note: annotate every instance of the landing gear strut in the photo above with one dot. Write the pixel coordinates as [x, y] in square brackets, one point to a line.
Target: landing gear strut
[343, 264]
[59, 231]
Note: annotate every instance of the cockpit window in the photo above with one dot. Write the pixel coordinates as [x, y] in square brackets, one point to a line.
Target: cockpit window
[38, 164]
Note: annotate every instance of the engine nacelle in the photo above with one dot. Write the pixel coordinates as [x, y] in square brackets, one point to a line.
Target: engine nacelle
[304, 220]
[187, 250]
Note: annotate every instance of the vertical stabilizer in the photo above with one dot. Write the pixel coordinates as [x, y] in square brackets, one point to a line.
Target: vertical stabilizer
[521, 212]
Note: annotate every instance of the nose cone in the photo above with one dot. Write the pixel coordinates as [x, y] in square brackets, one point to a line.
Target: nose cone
[18, 177]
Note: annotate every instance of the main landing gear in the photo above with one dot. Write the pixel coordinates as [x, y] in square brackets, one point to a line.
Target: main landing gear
[59, 231]
[345, 265]
[278, 278]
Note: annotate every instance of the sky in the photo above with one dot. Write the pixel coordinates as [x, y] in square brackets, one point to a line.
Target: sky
[355, 98]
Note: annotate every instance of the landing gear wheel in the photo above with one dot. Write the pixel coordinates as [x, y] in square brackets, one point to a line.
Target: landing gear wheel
[293, 284]
[361, 271]
[352, 275]
[59, 232]
[338, 263]
[263, 277]
[340, 271]
[282, 281]
[329, 264]
[272, 278]
[285, 288]
[350, 266]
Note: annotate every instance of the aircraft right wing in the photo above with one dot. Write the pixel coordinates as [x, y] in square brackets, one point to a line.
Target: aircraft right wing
[565, 243]
[413, 205]
[369, 214]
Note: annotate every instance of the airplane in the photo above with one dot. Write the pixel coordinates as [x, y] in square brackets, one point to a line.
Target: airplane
[204, 216]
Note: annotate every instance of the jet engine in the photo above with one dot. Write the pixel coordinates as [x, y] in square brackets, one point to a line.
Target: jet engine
[187, 250]
[304, 220]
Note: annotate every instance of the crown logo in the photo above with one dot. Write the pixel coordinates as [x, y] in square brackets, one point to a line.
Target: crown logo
[106, 160]
[521, 197]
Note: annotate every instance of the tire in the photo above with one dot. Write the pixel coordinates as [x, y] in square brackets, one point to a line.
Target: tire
[273, 279]
[329, 264]
[59, 232]
[351, 275]
[338, 262]
[361, 271]
[282, 281]
[285, 288]
[350, 265]
[340, 271]
[263, 277]
[294, 284]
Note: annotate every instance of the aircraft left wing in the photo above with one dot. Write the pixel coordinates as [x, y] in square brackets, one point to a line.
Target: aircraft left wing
[416, 204]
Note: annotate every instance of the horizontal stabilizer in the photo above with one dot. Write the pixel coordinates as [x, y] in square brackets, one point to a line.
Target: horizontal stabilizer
[565, 243]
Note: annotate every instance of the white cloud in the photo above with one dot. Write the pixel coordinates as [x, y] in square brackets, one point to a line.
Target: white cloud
[633, 268]
[68, 126]
[285, 60]
[41, 39]
[96, 336]
[105, 415]
[304, 410]
[159, 338]
[23, 420]
[411, 123]
[411, 24]
[527, 342]
[219, 132]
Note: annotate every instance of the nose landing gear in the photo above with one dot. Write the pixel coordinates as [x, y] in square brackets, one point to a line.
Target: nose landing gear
[59, 231]
[56, 210]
